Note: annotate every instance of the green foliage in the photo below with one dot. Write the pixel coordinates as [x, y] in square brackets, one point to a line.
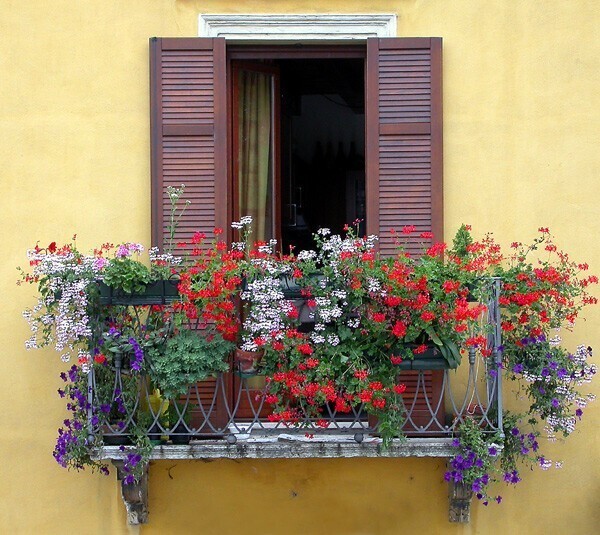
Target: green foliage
[126, 274]
[187, 358]
[461, 242]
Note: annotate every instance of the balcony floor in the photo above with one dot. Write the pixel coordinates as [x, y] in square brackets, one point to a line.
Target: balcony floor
[287, 446]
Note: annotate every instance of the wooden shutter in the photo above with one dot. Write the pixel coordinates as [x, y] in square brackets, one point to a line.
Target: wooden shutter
[404, 166]
[188, 103]
[404, 139]
[188, 100]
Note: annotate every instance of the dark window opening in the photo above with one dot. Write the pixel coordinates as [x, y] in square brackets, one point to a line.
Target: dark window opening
[323, 147]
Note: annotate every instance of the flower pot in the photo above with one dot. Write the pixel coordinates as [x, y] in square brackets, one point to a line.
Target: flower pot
[246, 363]
[158, 292]
[180, 434]
[111, 437]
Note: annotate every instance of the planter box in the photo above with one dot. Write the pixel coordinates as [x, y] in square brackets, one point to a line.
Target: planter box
[159, 292]
[431, 359]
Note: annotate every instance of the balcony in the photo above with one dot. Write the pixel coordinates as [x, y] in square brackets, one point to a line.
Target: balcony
[228, 416]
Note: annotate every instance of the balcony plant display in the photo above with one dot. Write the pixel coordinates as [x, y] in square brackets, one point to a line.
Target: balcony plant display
[543, 290]
[373, 317]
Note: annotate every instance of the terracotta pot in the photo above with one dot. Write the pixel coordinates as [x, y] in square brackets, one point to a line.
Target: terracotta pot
[247, 362]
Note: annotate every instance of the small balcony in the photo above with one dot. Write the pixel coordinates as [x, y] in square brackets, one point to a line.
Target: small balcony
[228, 415]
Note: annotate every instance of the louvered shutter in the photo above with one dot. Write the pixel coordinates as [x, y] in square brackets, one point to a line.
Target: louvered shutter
[188, 101]
[404, 169]
[404, 139]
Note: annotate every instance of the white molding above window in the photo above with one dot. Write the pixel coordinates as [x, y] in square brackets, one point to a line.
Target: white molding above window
[296, 27]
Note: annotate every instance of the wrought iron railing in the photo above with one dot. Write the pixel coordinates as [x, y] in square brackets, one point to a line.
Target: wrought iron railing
[231, 408]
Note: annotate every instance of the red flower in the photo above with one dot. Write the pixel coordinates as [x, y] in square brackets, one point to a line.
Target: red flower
[408, 229]
[361, 374]
[437, 249]
[450, 286]
[379, 403]
[100, 358]
[395, 360]
[427, 316]
[305, 349]
[311, 362]
[399, 329]
[378, 317]
[365, 396]
[400, 389]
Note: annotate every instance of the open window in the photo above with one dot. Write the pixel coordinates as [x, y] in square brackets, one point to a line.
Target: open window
[298, 146]
[300, 137]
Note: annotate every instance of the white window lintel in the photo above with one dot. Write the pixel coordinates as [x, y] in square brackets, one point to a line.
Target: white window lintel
[293, 27]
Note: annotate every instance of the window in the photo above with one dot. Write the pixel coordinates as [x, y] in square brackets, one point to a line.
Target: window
[192, 116]
[300, 137]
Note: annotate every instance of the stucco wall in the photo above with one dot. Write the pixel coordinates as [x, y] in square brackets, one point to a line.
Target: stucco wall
[521, 99]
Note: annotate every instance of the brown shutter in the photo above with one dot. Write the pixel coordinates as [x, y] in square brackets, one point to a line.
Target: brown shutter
[188, 101]
[404, 138]
[404, 167]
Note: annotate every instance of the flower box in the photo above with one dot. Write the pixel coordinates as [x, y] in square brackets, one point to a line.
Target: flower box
[431, 359]
[158, 292]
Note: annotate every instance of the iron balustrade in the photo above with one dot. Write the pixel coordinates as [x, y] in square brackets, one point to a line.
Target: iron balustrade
[233, 409]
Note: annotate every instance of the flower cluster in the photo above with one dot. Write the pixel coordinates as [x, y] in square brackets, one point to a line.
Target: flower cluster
[72, 449]
[542, 291]
[60, 317]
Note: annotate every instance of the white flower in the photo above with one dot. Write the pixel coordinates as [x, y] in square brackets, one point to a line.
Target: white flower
[333, 339]
[307, 255]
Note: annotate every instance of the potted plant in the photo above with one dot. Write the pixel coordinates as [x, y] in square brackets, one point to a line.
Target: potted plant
[186, 358]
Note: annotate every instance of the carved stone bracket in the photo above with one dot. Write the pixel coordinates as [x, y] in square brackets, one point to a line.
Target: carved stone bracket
[459, 502]
[135, 497]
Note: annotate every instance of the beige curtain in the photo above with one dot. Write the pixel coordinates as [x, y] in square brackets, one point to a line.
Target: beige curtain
[255, 140]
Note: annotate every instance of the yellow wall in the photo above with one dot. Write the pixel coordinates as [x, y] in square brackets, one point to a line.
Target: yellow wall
[521, 98]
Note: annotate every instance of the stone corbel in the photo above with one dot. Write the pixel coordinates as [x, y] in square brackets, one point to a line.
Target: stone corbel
[459, 502]
[135, 497]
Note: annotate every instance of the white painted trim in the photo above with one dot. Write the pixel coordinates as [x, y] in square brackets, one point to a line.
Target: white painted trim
[297, 27]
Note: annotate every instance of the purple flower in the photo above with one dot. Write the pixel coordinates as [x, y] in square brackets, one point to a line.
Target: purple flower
[555, 403]
[512, 477]
[138, 359]
[562, 373]
[493, 451]
[518, 368]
